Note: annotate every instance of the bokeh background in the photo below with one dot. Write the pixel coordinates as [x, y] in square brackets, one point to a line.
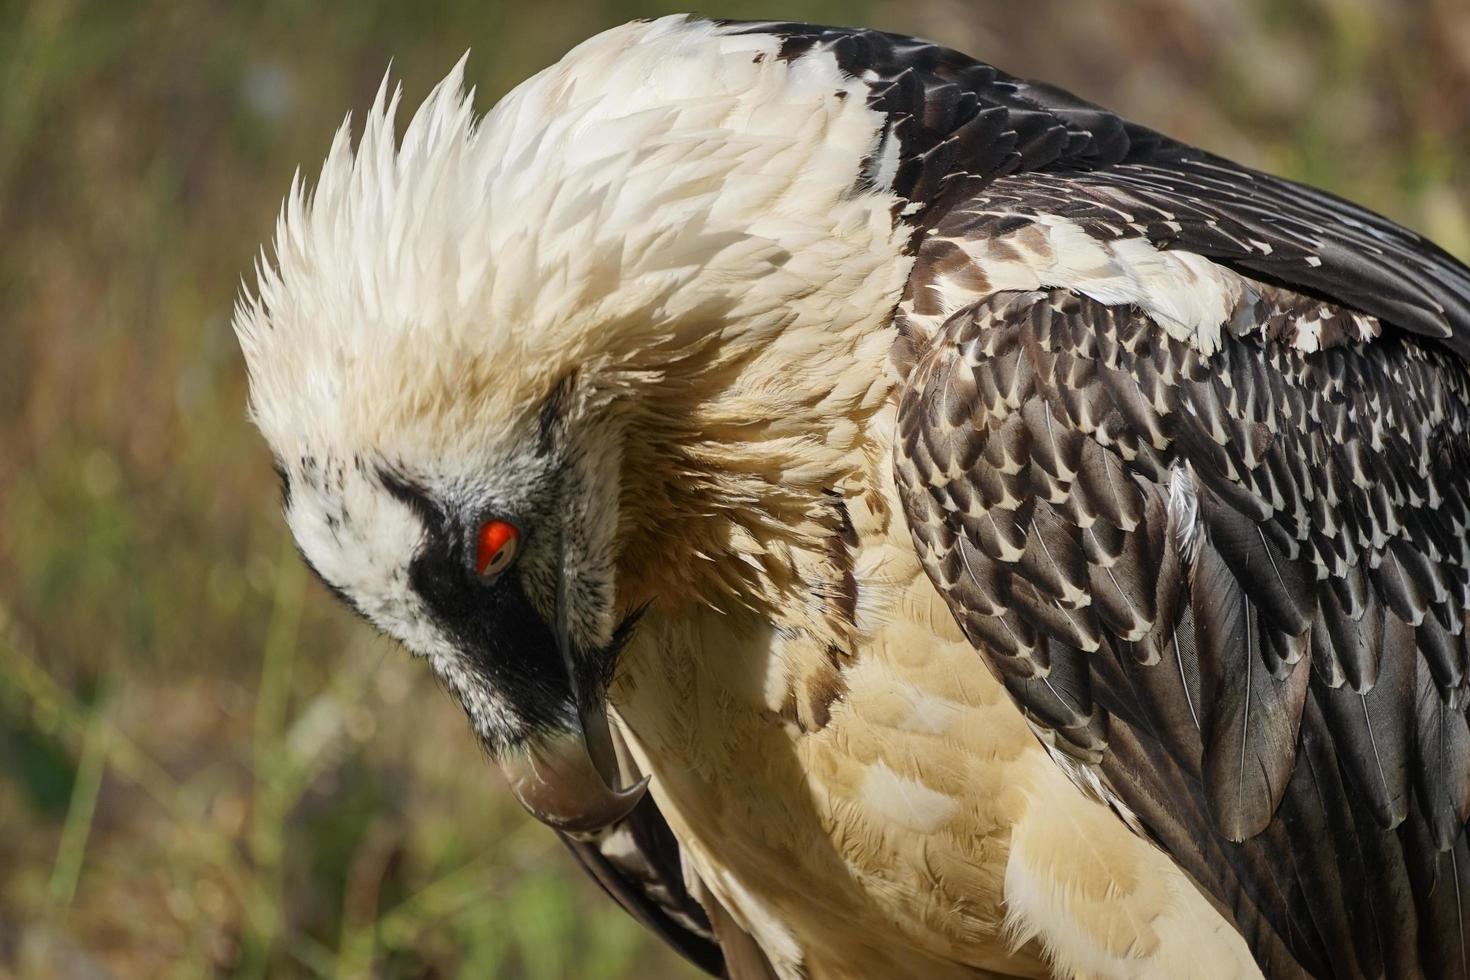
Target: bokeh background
[206, 767]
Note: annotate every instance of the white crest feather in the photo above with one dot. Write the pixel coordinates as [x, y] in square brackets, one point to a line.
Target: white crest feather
[566, 227]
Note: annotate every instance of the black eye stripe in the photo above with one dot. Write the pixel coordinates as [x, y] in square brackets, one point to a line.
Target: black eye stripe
[418, 500]
[453, 539]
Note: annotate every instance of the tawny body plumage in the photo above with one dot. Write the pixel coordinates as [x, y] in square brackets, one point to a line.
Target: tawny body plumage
[870, 805]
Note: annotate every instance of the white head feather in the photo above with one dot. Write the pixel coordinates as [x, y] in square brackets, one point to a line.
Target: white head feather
[564, 228]
[670, 193]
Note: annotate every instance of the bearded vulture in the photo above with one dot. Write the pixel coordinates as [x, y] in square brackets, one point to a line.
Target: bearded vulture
[893, 519]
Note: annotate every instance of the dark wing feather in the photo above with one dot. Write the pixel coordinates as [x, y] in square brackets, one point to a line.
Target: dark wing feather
[962, 125]
[1260, 630]
[1185, 611]
[637, 864]
[1251, 712]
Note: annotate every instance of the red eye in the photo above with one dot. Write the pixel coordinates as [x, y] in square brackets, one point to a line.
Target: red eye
[495, 548]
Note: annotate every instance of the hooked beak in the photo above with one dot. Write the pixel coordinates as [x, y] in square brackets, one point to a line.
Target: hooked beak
[569, 780]
[561, 783]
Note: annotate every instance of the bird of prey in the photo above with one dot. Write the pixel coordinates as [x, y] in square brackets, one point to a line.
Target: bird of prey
[894, 519]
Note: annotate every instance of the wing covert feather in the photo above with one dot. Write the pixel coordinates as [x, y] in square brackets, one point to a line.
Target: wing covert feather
[1315, 465]
[1150, 560]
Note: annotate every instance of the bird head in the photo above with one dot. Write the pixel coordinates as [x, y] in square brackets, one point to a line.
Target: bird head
[499, 362]
[493, 557]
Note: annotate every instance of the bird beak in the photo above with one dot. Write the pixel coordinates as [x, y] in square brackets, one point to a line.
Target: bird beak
[560, 783]
[569, 780]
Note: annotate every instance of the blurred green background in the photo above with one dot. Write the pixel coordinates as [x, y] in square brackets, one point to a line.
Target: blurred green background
[206, 767]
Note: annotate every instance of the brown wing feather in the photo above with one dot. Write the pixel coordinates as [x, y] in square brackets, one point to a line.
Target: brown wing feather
[637, 864]
[1255, 633]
